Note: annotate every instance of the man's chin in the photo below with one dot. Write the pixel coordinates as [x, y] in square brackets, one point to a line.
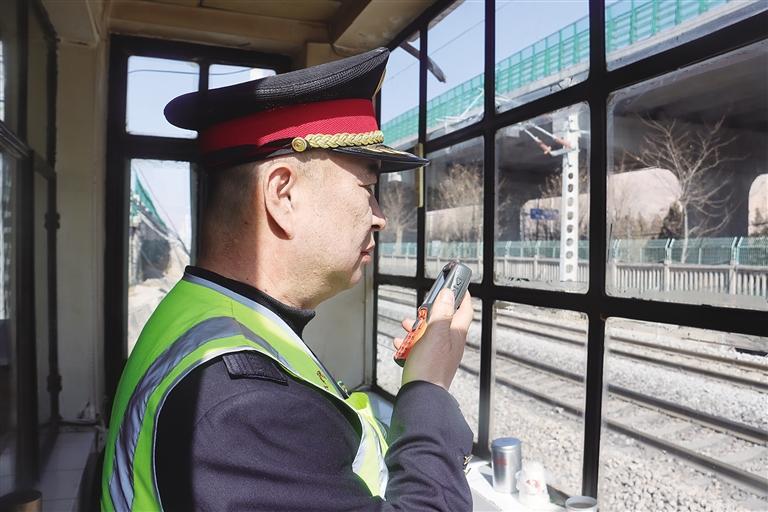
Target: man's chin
[347, 280]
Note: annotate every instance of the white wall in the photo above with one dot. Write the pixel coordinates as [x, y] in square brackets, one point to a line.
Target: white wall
[81, 145]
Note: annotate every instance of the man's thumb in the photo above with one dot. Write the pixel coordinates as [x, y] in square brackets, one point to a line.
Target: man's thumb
[443, 307]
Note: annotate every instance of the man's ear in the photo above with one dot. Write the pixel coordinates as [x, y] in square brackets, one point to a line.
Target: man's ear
[277, 187]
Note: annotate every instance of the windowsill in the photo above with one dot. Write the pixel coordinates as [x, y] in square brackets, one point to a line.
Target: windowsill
[485, 499]
[63, 472]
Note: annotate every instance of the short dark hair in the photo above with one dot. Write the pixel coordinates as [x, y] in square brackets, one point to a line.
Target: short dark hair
[226, 200]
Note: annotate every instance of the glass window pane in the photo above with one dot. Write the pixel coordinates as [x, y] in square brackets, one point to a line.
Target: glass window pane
[397, 243]
[400, 96]
[542, 204]
[396, 304]
[160, 233]
[454, 201]
[152, 83]
[683, 408]
[687, 194]
[539, 391]
[465, 387]
[9, 65]
[542, 46]
[637, 29]
[220, 75]
[7, 314]
[455, 87]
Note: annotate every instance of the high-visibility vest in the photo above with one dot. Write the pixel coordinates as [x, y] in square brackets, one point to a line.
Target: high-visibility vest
[197, 321]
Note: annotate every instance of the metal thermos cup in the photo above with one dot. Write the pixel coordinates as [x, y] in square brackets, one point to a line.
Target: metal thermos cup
[507, 460]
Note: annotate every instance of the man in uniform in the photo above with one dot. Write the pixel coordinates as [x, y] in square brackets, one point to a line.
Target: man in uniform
[222, 406]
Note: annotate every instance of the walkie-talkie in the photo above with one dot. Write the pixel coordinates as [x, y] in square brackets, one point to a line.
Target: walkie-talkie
[456, 276]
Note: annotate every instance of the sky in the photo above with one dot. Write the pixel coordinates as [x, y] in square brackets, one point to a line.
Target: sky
[456, 45]
[457, 48]
[152, 83]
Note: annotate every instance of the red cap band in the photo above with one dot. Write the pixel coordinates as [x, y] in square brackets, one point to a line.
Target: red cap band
[259, 129]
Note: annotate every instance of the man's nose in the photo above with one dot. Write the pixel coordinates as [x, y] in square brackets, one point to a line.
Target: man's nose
[379, 220]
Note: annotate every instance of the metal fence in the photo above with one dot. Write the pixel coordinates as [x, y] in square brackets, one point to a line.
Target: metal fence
[732, 266]
[741, 250]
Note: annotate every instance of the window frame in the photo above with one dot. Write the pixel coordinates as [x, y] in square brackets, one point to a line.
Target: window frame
[595, 91]
[29, 454]
[122, 147]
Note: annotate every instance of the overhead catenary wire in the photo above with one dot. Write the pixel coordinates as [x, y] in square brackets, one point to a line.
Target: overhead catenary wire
[449, 41]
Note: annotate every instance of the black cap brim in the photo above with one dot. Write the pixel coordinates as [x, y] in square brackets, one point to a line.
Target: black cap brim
[391, 159]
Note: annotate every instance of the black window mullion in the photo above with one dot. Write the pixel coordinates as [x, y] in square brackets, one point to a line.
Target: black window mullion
[489, 225]
[375, 310]
[117, 187]
[700, 316]
[421, 214]
[152, 147]
[204, 78]
[173, 50]
[598, 95]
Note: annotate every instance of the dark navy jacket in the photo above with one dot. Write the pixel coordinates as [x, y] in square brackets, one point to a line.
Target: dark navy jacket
[240, 434]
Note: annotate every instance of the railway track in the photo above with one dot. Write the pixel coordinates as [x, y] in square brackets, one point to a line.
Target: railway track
[670, 357]
[723, 427]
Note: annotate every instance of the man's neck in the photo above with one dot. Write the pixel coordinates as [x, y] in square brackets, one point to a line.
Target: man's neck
[272, 281]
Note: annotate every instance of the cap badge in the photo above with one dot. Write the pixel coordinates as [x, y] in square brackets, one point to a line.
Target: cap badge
[299, 144]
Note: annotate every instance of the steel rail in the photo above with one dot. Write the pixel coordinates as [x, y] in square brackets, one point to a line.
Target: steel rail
[704, 461]
[740, 430]
[745, 365]
[755, 481]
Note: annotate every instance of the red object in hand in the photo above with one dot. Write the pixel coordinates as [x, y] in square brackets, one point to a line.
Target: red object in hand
[415, 334]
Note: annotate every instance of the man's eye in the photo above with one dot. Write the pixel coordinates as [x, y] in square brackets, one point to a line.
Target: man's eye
[371, 188]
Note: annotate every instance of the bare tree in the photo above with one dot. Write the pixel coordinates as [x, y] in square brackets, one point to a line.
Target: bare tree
[621, 196]
[462, 191]
[399, 205]
[695, 157]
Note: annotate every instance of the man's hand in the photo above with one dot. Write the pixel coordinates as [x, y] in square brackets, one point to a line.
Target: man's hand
[437, 355]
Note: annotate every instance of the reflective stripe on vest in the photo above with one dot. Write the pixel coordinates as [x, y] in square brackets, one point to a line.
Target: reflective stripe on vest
[129, 481]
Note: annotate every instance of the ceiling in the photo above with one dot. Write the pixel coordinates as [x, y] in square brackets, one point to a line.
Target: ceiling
[308, 30]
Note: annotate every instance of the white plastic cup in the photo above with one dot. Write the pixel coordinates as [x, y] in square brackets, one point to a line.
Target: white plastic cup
[532, 485]
[581, 504]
